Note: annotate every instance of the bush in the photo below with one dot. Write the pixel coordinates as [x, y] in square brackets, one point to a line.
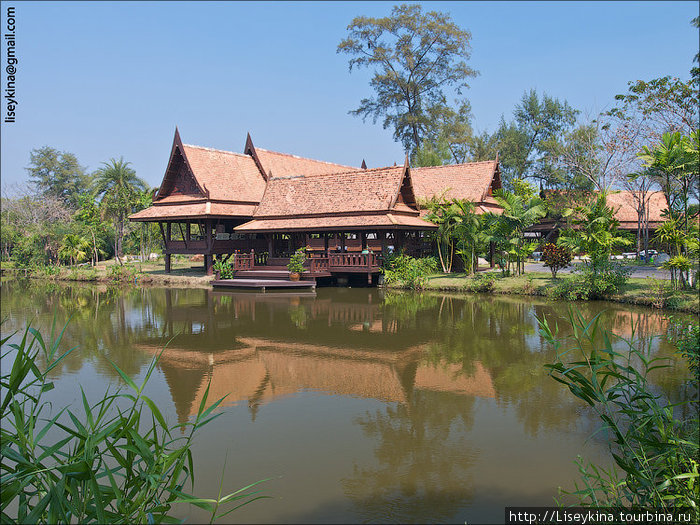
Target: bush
[555, 257]
[122, 273]
[588, 282]
[225, 269]
[296, 261]
[481, 283]
[100, 466]
[409, 272]
[657, 454]
[29, 251]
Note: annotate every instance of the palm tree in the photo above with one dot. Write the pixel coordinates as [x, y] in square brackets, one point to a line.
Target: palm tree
[118, 188]
[519, 213]
[444, 215]
[74, 248]
[468, 232]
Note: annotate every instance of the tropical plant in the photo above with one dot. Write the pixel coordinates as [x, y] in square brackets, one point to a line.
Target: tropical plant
[225, 269]
[74, 248]
[117, 462]
[594, 232]
[656, 454]
[680, 268]
[297, 260]
[507, 230]
[408, 272]
[555, 257]
[118, 189]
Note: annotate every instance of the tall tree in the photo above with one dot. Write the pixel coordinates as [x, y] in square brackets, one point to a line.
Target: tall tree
[119, 190]
[527, 142]
[57, 174]
[415, 57]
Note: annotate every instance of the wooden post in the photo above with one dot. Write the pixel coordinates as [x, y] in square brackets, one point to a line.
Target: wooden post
[169, 232]
[325, 243]
[208, 264]
[342, 242]
[252, 258]
[363, 240]
[492, 254]
[269, 245]
[382, 237]
[167, 263]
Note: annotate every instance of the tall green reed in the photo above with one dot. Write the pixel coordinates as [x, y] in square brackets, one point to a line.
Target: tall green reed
[655, 453]
[114, 460]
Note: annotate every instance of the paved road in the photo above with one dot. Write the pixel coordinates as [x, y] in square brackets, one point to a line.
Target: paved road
[637, 271]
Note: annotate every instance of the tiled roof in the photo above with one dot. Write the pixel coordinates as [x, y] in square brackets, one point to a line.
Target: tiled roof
[354, 191]
[226, 175]
[625, 204]
[198, 210]
[283, 164]
[386, 221]
[469, 181]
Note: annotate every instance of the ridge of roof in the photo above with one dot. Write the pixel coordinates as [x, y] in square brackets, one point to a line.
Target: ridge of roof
[334, 173]
[216, 150]
[453, 165]
[352, 168]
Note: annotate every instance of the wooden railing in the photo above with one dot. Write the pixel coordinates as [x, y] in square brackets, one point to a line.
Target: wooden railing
[318, 264]
[244, 261]
[353, 260]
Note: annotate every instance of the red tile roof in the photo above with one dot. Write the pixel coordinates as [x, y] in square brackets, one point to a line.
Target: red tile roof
[469, 181]
[197, 210]
[385, 221]
[352, 191]
[226, 175]
[284, 164]
[625, 205]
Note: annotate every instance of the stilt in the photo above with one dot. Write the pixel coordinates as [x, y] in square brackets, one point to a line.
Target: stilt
[208, 264]
[167, 262]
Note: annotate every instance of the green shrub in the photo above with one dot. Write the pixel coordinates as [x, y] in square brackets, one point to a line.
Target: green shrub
[409, 272]
[481, 283]
[122, 273]
[296, 261]
[101, 466]
[225, 269]
[656, 454]
[587, 282]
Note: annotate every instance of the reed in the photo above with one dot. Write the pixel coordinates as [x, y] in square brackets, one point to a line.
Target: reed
[113, 460]
[655, 453]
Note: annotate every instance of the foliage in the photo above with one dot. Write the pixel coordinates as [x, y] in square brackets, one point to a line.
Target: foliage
[119, 190]
[594, 232]
[225, 269]
[507, 230]
[297, 260]
[117, 462]
[458, 227]
[481, 283]
[74, 248]
[679, 266]
[528, 141]
[57, 174]
[586, 283]
[409, 272]
[555, 257]
[122, 273]
[414, 57]
[686, 337]
[657, 454]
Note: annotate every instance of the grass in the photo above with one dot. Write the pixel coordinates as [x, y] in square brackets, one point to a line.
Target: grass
[640, 291]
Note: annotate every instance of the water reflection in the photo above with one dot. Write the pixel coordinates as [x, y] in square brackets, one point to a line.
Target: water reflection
[445, 371]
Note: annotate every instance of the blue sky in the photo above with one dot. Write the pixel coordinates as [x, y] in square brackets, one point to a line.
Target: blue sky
[104, 79]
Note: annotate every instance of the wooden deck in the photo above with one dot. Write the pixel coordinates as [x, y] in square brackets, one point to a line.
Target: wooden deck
[263, 284]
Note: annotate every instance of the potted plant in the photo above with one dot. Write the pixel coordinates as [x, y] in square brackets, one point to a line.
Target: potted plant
[296, 264]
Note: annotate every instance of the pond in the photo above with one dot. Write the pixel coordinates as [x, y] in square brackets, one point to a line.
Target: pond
[361, 405]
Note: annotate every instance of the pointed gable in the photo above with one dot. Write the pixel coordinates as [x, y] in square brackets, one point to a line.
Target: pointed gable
[179, 181]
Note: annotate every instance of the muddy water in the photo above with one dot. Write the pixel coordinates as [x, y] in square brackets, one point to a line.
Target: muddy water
[362, 406]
